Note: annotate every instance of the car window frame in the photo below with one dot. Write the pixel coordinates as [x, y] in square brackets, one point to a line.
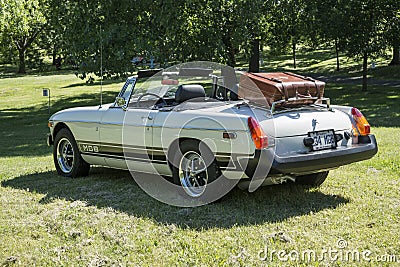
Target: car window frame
[129, 81]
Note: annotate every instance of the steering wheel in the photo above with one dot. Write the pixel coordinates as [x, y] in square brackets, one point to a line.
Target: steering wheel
[159, 97]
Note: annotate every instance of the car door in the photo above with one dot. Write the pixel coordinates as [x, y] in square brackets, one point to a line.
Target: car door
[126, 134]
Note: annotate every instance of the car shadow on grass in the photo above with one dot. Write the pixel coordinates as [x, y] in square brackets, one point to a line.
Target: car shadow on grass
[107, 188]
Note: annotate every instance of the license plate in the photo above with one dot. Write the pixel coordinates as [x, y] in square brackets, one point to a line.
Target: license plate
[323, 139]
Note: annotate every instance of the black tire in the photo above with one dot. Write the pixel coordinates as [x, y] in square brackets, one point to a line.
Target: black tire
[192, 152]
[66, 155]
[313, 179]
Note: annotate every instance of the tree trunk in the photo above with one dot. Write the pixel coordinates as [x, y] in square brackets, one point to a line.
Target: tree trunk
[230, 51]
[21, 54]
[337, 55]
[254, 64]
[294, 53]
[22, 45]
[231, 57]
[396, 55]
[365, 72]
[54, 55]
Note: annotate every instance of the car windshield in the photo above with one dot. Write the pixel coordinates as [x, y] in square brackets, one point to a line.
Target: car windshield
[165, 88]
[173, 86]
[165, 91]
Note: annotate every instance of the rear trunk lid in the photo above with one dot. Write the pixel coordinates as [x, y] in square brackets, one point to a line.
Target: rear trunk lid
[289, 129]
[301, 122]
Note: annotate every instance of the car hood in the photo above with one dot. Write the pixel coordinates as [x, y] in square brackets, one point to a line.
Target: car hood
[90, 113]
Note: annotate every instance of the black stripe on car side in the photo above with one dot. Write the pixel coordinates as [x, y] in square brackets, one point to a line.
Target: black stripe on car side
[118, 151]
[142, 152]
[80, 142]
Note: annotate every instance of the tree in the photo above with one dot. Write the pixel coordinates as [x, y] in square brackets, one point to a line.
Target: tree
[392, 30]
[288, 23]
[329, 23]
[117, 31]
[21, 22]
[90, 30]
[254, 24]
[364, 31]
[52, 40]
[228, 27]
[214, 30]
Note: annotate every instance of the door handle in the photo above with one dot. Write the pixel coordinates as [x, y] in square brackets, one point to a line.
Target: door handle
[148, 117]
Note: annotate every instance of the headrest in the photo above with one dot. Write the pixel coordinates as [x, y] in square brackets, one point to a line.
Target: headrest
[189, 91]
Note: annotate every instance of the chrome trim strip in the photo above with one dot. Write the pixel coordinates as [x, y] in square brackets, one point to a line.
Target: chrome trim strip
[174, 127]
[154, 126]
[80, 121]
[158, 149]
[110, 123]
[199, 128]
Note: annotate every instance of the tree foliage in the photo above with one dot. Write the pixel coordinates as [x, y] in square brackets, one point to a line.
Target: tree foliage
[364, 30]
[171, 31]
[391, 29]
[288, 23]
[21, 22]
[328, 24]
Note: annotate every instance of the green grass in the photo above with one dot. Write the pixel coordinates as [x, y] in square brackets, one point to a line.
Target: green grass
[106, 219]
[380, 104]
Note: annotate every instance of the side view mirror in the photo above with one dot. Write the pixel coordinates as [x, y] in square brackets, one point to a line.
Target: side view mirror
[120, 102]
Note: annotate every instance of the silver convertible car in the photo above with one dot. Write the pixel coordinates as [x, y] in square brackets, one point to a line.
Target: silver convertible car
[197, 125]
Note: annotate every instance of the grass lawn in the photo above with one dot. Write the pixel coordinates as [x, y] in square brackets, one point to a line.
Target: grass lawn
[107, 220]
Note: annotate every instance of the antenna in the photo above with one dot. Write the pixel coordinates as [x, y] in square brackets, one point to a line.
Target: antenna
[101, 69]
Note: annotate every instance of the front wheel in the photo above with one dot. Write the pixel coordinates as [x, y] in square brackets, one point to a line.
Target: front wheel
[67, 159]
[313, 179]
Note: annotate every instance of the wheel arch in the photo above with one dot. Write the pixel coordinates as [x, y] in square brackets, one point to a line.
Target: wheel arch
[174, 146]
[58, 127]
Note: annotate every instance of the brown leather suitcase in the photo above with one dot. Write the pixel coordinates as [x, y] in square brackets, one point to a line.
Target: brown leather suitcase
[267, 88]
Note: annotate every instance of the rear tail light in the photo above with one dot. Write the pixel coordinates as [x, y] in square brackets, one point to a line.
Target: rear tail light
[260, 139]
[360, 125]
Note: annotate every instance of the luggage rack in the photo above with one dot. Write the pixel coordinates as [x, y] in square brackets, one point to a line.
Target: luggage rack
[296, 101]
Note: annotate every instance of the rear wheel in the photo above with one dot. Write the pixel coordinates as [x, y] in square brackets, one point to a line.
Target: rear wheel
[313, 179]
[194, 167]
[67, 159]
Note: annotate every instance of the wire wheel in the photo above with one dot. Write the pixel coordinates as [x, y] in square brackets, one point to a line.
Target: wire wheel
[65, 155]
[193, 173]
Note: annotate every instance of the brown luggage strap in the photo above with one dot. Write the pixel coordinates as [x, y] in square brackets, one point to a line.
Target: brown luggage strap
[307, 79]
[318, 89]
[285, 92]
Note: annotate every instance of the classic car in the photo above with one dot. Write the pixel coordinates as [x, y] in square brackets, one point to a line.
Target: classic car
[197, 125]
